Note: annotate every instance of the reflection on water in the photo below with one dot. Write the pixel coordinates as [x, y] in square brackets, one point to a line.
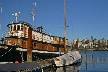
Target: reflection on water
[96, 61]
[98, 57]
[72, 68]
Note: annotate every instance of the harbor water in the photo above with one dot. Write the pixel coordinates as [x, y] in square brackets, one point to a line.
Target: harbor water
[92, 61]
[95, 61]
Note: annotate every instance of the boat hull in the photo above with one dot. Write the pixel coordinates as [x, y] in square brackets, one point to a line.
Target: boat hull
[68, 59]
[14, 54]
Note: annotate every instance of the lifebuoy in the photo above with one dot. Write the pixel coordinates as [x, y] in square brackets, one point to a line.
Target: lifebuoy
[16, 62]
[33, 36]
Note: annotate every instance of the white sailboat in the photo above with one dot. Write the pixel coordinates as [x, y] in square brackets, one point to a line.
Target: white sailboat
[69, 57]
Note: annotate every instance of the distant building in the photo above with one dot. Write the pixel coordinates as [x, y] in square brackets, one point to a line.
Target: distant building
[74, 41]
[95, 41]
[99, 44]
[104, 41]
[78, 39]
[90, 44]
[92, 38]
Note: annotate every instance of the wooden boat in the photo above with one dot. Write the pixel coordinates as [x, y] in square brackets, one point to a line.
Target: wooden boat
[43, 45]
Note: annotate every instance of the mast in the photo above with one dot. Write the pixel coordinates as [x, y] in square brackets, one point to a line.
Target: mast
[0, 15]
[64, 26]
[33, 14]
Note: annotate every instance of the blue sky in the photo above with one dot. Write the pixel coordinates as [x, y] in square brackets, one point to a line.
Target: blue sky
[85, 18]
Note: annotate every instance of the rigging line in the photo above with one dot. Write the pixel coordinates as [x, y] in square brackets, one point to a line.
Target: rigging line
[59, 28]
[59, 31]
[71, 22]
[6, 52]
[3, 55]
[1, 8]
[17, 5]
[27, 3]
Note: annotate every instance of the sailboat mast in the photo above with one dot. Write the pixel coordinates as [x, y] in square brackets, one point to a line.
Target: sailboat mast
[0, 15]
[65, 26]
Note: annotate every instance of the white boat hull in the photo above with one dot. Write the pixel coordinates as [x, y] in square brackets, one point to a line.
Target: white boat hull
[68, 59]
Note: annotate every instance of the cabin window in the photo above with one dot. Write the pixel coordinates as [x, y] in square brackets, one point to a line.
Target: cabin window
[53, 38]
[14, 27]
[22, 27]
[40, 30]
[11, 28]
[18, 27]
[34, 44]
[61, 40]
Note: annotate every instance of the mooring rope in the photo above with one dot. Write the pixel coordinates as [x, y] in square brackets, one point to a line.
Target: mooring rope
[6, 52]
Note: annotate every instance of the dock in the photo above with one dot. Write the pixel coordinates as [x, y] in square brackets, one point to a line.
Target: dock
[26, 66]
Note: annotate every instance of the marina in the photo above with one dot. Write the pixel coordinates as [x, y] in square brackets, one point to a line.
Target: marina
[34, 42]
[33, 49]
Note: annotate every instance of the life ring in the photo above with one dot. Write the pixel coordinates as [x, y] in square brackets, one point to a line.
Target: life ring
[16, 62]
[33, 36]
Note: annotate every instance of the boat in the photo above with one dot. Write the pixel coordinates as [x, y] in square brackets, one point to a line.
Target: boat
[72, 57]
[69, 57]
[24, 43]
[15, 46]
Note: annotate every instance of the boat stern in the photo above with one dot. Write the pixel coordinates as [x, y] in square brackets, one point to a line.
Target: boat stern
[58, 62]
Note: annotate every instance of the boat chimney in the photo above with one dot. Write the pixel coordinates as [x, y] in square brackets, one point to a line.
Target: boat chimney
[41, 29]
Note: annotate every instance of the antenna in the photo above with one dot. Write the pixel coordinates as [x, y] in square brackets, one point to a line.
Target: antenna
[16, 15]
[0, 14]
[1, 7]
[33, 13]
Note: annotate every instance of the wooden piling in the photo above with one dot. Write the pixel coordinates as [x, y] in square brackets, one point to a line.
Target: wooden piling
[86, 62]
[92, 58]
[77, 45]
[86, 58]
[29, 45]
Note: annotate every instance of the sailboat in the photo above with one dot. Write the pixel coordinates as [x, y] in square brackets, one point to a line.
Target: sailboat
[69, 57]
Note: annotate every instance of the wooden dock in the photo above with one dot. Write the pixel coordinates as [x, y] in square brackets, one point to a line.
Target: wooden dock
[26, 66]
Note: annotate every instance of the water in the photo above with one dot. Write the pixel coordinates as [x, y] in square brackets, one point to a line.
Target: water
[96, 61]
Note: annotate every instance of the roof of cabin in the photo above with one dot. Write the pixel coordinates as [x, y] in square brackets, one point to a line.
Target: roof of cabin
[40, 27]
[29, 25]
[21, 22]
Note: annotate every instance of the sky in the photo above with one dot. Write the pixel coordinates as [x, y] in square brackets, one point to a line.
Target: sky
[85, 18]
